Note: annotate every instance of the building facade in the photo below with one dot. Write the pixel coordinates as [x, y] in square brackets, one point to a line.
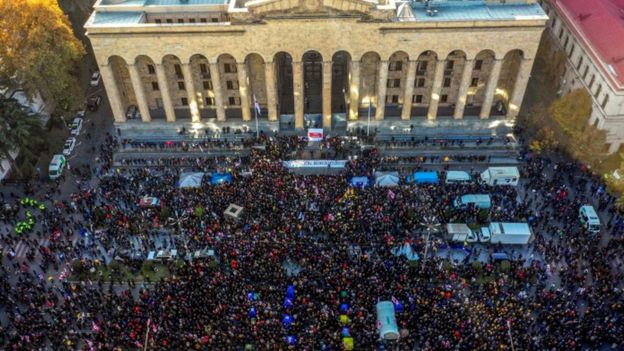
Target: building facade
[302, 63]
[591, 33]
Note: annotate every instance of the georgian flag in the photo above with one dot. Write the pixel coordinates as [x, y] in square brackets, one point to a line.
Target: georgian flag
[257, 105]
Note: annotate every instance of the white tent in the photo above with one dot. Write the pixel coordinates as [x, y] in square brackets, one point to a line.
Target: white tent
[386, 179]
[190, 180]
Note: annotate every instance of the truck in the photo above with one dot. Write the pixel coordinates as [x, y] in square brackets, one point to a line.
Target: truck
[460, 232]
[501, 176]
[510, 233]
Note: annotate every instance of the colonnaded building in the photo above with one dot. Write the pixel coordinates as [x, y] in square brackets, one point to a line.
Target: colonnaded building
[314, 63]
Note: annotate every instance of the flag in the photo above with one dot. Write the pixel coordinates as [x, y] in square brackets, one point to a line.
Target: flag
[394, 300]
[90, 343]
[391, 194]
[257, 105]
[95, 327]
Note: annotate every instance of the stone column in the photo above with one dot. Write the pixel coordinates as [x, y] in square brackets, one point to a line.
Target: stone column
[113, 93]
[243, 88]
[382, 84]
[408, 92]
[462, 95]
[522, 79]
[271, 89]
[327, 90]
[139, 92]
[163, 85]
[217, 90]
[490, 88]
[432, 113]
[297, 67]
[354, 90]
[190, 90]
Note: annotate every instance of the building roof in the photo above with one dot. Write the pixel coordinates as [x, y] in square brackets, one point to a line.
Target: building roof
[477, 10]
[117, 18]
[600, 24]
[163, 2]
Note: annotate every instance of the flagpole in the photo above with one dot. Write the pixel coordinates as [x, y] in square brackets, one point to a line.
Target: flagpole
[256, 108]
[369, 115]
[149, 321]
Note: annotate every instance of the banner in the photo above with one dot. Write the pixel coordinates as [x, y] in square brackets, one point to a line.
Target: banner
[315, 164]
[315, 134]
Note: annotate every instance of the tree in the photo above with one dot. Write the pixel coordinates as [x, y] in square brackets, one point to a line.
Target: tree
[19, 131]
[39, 50]
[572, 111]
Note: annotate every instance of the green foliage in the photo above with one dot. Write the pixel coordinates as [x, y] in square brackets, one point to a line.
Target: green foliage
[199, 212]
[165, 212]
[572, 111]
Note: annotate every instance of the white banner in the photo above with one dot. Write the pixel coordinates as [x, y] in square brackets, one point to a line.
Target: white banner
[315, 134]
[315, 164]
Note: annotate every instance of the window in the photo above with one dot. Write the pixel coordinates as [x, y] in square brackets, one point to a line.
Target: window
[553, 24]
[478, 64]
[191, 20]
[598, 91]
[214, 20]
[580, 63]
[181, 86]
[203, 68]
[449, 65]
[605, 101]
[151, 69]
[444, 98]
[158, 20]
[210, 101]
[417, 99]
[420, 82]
[229, 68]
[560, 33]
[180, 20]
[203, 20]
[234, 100]
[169, 20]
[155, 86]
[184, 101]
[231, 84]
[393, 83]
[422, 67]
[396, 65]
[571, 51]
[585, 73]
[591, 81]
[447, 82]
[565, 43]
[394, 99]
[178, 70]
[207, 85]
[474, 82]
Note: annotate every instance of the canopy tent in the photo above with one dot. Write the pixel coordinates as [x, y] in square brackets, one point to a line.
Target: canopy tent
[426, 177]
[387, 179]
[191, 180]
[359, 182]
[219, 178]
[405, 250]
[457, 177]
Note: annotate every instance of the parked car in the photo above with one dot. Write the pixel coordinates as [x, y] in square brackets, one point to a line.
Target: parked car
[69, 146]
[95, 79]
[94, 102]
[131, 112]
[81, 113]
[76, 126]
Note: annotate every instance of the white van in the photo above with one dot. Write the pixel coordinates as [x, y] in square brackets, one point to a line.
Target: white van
[56, 167]
[589, 219]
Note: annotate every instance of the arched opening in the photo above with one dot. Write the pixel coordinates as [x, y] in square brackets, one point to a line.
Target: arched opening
[147, 71]
[204, 89]
[284, 80]
[313, 83]
[257, 84]
[228, 72]
[451, 81]
[369, 72]
[397, 76]
[341, 61]
[506, 82]
[481, 70]
[124, 85]
[177, 87]
[425, 72]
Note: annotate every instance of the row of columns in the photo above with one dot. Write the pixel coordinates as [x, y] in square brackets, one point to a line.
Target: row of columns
[298, 90]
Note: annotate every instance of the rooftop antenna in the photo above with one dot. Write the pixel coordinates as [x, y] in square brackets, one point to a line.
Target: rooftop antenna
[429, 8]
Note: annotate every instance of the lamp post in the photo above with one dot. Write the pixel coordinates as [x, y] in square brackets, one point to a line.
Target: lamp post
[431, 224]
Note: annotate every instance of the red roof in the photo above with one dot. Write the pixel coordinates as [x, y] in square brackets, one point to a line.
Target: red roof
[601, 25]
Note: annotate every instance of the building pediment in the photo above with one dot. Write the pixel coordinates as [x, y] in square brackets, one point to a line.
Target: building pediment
[262, 8]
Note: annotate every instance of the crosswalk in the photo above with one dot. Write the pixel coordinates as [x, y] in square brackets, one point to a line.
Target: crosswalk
[22, 249]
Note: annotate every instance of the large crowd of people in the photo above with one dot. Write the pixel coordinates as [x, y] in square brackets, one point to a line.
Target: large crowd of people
[307, 261]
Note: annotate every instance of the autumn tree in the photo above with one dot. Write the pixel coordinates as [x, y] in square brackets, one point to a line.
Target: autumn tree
[39, 50]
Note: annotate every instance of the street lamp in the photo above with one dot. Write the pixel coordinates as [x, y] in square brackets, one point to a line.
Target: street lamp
[431, 224]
